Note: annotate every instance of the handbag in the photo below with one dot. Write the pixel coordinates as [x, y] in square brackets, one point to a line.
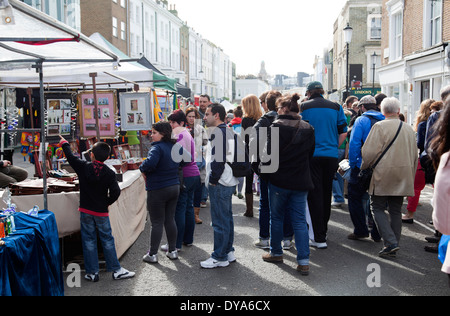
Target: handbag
[365, 176]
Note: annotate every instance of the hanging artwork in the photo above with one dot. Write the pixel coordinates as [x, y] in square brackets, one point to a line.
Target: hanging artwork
[60, 115]
[106, 112]
[135, 111]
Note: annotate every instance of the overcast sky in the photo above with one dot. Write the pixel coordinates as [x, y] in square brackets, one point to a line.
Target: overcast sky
[286, 34]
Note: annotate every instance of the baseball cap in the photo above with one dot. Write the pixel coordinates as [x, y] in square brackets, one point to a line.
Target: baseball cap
[368, 99]
[314, 85]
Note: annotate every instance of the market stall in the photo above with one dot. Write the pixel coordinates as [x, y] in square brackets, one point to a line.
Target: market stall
[127, 214]
[30, 264]
[36, 51]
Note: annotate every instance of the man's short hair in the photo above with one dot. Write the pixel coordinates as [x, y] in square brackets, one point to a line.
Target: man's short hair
[271, 99]
[350, 100]
[206, 96]
[218, 108]
[101, 151]
[380, 97]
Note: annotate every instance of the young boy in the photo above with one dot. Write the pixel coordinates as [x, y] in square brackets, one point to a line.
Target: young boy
[98, 190]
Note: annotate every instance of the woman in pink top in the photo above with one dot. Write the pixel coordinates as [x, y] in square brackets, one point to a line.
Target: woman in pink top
[440, 154]
[184, 214]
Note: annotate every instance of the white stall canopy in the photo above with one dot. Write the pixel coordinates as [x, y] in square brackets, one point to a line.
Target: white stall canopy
[36, 50]
[67, 56]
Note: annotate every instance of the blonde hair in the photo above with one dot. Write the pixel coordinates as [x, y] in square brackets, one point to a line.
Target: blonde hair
[424, 112]
[251, 107]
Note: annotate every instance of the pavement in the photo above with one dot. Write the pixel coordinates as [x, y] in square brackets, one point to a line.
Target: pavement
[346, 268]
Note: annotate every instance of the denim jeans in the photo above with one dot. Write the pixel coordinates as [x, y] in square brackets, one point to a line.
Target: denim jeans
[222, 220]
[89, 226]
[184, 214]
[359, 208]
[338, 182]
[264, 215]
[294, 202]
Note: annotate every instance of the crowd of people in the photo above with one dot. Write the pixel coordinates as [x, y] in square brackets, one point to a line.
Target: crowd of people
[193, 153]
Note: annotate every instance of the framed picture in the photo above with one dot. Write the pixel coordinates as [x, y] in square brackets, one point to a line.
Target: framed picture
[106, 110]
[135, 111]
[122, 152]
[61, 109]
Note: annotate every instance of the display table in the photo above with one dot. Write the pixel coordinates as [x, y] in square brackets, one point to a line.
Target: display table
[127, 215]
[30, 261]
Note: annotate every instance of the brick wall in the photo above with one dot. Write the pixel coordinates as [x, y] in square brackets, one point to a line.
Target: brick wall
[446, 21]
[412, 27]
[96, 16]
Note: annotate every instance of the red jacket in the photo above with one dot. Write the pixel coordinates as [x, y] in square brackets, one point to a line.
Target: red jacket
[236, 121]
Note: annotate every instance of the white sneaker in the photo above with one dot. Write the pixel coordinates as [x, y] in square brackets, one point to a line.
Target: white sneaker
[318, 245]
[213, 263]
[337, 204]
[150, 258]
[165, 248]
[231, 257]
[92, 277]
[122, 273]
[263, 243]
[287, 244]
[172, 255]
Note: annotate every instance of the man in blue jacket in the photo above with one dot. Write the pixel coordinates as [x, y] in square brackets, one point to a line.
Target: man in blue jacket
[330, 125]
[358, 198]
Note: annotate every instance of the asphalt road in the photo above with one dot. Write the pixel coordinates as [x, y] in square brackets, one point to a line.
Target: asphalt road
[346, 268]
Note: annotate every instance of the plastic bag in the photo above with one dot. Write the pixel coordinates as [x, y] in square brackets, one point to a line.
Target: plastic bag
[443, 245]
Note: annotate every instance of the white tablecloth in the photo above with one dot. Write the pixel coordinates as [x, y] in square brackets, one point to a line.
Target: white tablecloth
[127, 215]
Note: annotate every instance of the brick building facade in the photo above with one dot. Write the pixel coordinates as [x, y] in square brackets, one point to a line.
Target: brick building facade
[415, 34]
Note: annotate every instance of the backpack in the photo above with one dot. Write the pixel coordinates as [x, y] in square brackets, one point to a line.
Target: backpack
[240, 165]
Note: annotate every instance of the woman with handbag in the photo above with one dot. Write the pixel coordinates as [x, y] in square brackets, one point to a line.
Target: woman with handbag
[393, 177]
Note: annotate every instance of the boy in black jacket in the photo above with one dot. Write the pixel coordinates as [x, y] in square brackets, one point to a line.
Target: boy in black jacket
[98, 190]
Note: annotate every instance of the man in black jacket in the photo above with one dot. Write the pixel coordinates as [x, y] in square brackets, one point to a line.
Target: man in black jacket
[98, 190]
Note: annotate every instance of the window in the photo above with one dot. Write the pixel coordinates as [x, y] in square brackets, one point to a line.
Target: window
[123, 31]
[435, 20]
[122, 3]
[374, 27]
[398, 32]
[395, 10]
[114, 26]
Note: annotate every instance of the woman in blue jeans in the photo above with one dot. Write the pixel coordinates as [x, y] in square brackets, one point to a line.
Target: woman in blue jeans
[289, 185]
[184, 214]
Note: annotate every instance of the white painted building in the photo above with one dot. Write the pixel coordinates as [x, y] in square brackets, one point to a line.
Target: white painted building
[65, 11]
[155, 34]
[244, 87]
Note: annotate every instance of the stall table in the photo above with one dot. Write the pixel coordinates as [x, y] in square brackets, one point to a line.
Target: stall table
[30, 260]
[127, 215]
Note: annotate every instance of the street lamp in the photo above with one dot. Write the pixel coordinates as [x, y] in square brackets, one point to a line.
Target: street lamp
[374, 63]
[348, 33]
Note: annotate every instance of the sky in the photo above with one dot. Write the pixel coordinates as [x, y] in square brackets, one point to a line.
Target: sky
[285, 34]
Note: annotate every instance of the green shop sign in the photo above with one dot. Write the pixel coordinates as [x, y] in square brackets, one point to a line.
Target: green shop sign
[363, 92]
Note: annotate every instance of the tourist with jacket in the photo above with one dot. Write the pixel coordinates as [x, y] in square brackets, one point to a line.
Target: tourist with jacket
[393, 177]
[288, 187]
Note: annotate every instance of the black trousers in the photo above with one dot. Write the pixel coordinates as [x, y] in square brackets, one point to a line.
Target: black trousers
[323, 170]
